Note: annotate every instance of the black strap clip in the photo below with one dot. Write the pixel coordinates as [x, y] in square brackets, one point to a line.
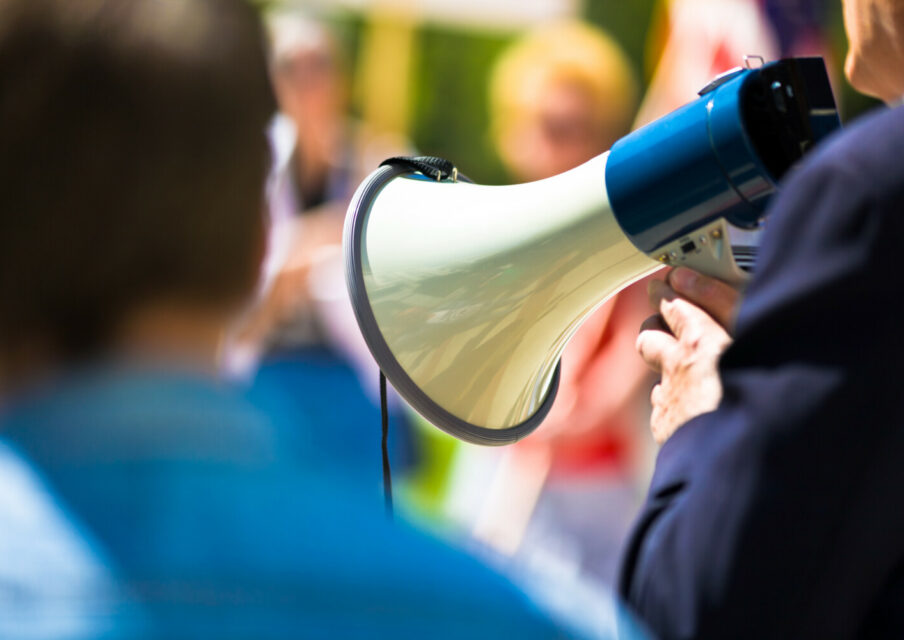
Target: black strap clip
[438, 169]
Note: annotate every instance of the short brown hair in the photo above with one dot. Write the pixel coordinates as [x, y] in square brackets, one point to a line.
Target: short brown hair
[133, 157]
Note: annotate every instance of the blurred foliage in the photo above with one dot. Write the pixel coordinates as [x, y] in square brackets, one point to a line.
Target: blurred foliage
[628, 23]
[451, 117]
[264, 5]
[450, 114]
[450, 108]
[451, 71]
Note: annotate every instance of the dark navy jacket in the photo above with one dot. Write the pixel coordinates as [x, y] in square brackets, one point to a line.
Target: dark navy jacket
[781, 514]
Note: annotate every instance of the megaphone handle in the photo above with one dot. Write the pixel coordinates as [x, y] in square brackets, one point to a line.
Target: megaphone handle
[707, 250]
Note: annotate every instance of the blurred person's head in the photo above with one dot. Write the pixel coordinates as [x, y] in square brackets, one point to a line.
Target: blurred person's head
[133, 155]
[308, 70]
[875, 59]
[559, 96]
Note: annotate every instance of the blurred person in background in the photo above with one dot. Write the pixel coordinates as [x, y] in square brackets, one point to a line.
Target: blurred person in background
[693, 41]
[300, 348]
[696, 40]
[564, 498]
[133, 158]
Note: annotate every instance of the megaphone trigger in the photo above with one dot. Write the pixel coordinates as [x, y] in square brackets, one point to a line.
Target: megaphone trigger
[711, 251]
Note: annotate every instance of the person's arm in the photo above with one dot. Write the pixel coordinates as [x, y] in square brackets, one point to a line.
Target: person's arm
[759, 520]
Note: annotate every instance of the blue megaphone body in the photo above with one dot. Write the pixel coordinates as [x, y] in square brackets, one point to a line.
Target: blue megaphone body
[720, 156]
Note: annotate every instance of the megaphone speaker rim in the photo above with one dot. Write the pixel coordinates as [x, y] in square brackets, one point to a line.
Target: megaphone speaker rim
[386, 360]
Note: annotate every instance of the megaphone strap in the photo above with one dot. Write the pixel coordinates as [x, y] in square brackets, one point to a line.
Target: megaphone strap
[387, 475]
[431, 166]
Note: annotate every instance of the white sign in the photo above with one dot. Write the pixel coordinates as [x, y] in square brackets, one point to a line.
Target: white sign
[496, 14]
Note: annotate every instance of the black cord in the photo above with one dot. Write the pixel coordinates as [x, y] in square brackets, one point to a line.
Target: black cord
[387, 475]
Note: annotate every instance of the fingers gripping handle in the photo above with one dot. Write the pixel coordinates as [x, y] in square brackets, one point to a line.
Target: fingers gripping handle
[709, 250]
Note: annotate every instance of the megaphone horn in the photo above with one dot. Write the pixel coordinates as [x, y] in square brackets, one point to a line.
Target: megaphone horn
[467, 294]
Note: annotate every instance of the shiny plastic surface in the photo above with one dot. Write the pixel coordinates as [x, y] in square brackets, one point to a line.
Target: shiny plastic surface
[477, 289]
[722, 155]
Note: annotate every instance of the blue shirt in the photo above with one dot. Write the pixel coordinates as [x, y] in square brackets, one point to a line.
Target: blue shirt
[215, 533]
[54, 579]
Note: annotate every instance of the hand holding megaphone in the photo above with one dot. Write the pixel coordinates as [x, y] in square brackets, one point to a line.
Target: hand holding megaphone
[467, 294]
[684, 343]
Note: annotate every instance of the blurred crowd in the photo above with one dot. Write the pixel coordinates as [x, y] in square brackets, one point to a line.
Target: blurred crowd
[554, 508]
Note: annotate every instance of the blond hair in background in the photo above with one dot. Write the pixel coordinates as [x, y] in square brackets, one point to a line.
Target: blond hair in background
[559, 96]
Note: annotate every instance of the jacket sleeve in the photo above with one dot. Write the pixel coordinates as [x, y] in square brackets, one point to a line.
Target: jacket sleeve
[763, 517]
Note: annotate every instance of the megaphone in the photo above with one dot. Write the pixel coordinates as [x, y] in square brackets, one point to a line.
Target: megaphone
[467, 294]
